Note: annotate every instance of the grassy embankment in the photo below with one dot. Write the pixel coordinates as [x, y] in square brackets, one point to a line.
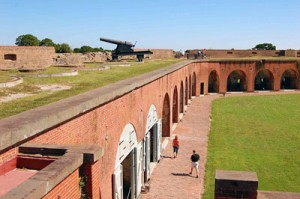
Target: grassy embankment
[258, 133]
[84, 81]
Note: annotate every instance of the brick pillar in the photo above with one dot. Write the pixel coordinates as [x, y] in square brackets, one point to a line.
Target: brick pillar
[235, 184]
[91, 177]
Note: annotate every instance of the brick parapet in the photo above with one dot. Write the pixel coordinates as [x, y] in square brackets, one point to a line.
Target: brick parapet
[54, 179]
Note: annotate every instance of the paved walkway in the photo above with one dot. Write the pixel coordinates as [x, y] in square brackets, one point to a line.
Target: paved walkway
[170, 178]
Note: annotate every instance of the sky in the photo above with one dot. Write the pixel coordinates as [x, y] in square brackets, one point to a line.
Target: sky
[165, 24]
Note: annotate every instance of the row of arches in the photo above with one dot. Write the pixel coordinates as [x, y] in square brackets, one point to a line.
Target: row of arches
[135, 158]
[264, 80]
[186, 91]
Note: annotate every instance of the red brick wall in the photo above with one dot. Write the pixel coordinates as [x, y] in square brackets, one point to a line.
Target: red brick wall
[7, 155]
[104, 125]
[68, 188]
[250, 68]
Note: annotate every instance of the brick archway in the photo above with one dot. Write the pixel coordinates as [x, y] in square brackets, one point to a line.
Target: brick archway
[264, 80]
[289, 79]
[186, 91]
[213, 82]
[194, 83]
[181, 98]
[237, 81]
[190, 87]
[175, 106]
[166, 116]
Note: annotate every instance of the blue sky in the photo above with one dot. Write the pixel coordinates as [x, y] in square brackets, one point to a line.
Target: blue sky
[175, 24]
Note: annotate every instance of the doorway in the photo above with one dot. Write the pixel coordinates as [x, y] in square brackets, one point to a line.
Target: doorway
[201, 88]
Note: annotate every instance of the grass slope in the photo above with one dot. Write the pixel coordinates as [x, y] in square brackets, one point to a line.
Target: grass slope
[257, 133]
[85, 81]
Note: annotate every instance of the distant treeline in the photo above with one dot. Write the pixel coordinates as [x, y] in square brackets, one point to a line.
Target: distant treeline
[31, 40]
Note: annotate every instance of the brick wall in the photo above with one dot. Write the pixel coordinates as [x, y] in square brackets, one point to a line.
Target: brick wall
[68, 188]
[7, 155]
[249, 68]
[12, 57]
[157, 54]
[104, 124]
[211, 53]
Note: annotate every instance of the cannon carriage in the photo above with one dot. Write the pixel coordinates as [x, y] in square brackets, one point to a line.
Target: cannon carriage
[125, 48]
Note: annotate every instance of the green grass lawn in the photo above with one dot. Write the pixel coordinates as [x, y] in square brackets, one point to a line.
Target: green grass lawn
[257, 133]
[85, 81]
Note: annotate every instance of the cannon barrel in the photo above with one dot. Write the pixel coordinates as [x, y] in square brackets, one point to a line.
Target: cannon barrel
[117, 42]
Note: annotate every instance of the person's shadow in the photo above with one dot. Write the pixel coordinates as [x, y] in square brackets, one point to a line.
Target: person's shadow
[166, 156]
[182, 174]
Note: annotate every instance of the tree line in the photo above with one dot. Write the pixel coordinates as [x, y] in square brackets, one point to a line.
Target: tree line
[31, 40]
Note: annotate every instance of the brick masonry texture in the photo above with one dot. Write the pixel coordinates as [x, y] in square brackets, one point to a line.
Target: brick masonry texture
[69, 188]
[103, 123]
[26, 57]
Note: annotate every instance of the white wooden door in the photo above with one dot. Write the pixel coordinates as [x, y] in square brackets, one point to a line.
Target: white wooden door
[133, 172]
[159, 139]
[147, 156]
[139, 169]
[118, 182]
[155, 142]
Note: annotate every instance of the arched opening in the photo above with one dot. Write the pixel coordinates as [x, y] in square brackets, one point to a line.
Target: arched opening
[175, 106]
[194, 84]
[237, 81]
[181, 98]
[126, 172]
[166, 116]
[151, 144]
[190, 87]
[186, 91]
[289, 80]
[264, 80]
[213, 82]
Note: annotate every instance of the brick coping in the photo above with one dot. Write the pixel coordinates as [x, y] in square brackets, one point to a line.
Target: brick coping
[16, 128]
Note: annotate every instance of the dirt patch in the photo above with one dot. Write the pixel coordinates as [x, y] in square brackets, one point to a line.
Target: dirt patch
[53, 87]
[13, 96]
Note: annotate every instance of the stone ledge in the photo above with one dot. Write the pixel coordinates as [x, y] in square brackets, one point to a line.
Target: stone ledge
[277, 195]
[19, 127]
[14, 82]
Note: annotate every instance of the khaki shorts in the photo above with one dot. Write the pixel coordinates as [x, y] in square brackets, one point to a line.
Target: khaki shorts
[195, 164]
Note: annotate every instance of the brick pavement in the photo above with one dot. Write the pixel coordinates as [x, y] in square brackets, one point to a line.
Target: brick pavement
[170, 178]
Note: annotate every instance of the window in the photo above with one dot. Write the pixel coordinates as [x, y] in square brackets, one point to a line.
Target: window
[254, 53]
[12, 57]
[229, 52]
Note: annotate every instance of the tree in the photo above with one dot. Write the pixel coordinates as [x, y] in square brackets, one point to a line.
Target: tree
[265, 46]
[76, 50]
[63, 48]
[98, 49]
[27, 40]
[86, 49]
[47, 42]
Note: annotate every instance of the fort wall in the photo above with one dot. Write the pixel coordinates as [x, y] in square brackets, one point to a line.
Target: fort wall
[13, 57]
[98, 117]
[227, 53]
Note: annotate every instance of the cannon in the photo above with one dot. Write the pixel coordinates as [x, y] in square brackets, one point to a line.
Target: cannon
[125, 48]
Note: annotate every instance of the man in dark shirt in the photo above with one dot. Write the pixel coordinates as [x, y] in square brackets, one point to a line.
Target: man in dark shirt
[195, 163]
